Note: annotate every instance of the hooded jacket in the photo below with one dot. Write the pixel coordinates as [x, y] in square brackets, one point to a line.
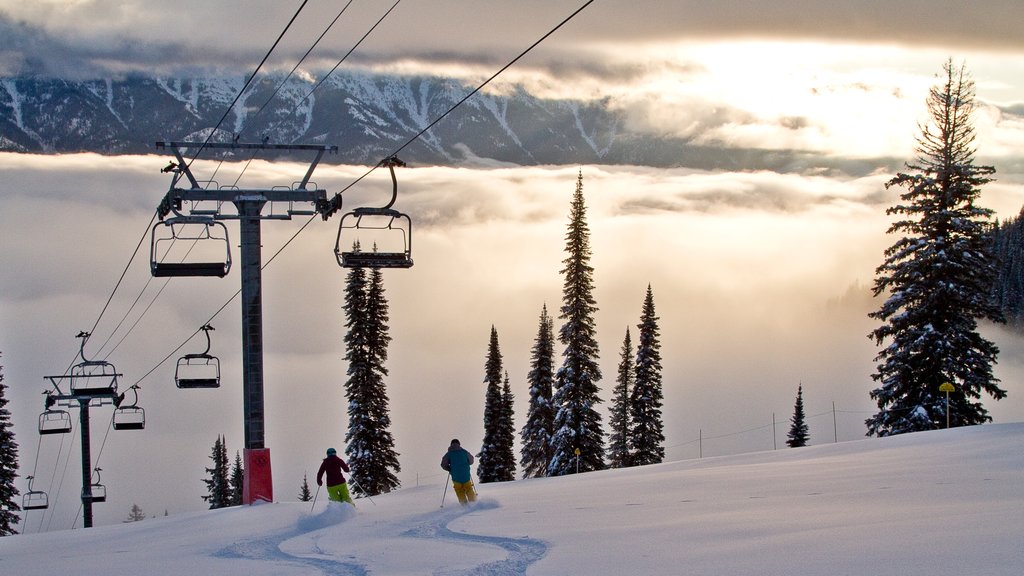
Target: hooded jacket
[457, 461]
[332, 467]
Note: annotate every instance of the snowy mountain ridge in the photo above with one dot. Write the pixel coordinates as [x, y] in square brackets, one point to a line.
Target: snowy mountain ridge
[368, 116]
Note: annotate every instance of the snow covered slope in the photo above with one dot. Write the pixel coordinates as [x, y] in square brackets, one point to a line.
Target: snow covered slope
[943, 502]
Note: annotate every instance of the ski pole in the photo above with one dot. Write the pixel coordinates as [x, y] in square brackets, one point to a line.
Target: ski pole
[314, 499]
[445, 489]
[364, 495]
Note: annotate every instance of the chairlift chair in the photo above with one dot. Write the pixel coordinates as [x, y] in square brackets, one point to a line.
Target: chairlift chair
[206, 236]
[94, 378]
[54, 422]
[198, 370]
[131, 416]
[386, 230]
[97, 491]
[34, 499]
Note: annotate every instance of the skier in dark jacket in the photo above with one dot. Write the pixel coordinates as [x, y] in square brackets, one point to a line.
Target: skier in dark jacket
[332, 467]
[457, 461]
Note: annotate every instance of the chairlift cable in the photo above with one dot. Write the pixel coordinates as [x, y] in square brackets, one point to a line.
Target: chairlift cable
[299, 63]
[247, 83]
[322, 80]
[419, 134]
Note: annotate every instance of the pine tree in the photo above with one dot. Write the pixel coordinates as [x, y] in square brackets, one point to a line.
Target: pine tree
[489, 462]
[1008, 292]
[8, 466]
[135, 514]
[540, 417]
[798, 426]
[305, 495]
[647, 436]
[577, 422]
[939, 278]
[217, 483]
[370, 445]
[507, 433]
[618, 419]
[237, 481]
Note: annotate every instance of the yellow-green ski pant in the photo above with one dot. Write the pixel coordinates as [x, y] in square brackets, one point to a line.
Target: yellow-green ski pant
[339, 493]
[464, 491]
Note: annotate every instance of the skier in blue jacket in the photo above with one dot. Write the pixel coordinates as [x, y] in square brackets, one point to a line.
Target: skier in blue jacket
[457, 461]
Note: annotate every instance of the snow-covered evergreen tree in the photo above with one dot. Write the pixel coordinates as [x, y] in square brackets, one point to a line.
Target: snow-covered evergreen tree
[218, 489]
[798, 426]
[540, 417]
[647, 432]
[305, 495]
[135, 514]
[489, 466]
[1009, 251]
[370, 445]
[8, 466]
[507, 432]
[237, 480]
[577, 422]
[618, 419]
[938, 278]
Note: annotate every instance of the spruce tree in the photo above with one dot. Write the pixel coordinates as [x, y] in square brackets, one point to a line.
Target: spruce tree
[647, 436]
[507, 433]
[489, 464]
[305, 495]
[938, 278]
[618, 419]
[8, 466]
[798, 426]
[1008, 244]
[237, 480]
[370, 445]
[217, 483]
[577, 422]
[135, 514]
[540, 418]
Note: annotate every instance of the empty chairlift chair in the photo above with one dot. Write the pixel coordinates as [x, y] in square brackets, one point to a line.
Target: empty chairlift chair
[54, 422]
[34, 499]
[94, 378]
[198, 370]
[97, 491]
[190, 246]
[376, 237]
[130, 416]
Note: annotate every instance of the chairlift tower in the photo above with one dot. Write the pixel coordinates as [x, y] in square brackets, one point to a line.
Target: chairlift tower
[91, 383]
[188, 194]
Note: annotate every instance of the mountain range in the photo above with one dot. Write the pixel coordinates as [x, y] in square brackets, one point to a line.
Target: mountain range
[368, 116]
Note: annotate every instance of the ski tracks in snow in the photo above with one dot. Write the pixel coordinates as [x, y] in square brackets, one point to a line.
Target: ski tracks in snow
[521, 553]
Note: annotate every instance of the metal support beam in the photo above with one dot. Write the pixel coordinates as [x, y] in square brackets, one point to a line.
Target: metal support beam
[83, 414]
[252, 320]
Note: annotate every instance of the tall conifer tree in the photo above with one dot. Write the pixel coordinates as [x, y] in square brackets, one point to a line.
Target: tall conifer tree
[218, 484]
[507, 432]
[938, 278]
[798, 424]
[237, 480]
[8, 466]
[540, 417]
[578, 442]
[647, 436]
[490, 465]
[618, 420]
[370, 445]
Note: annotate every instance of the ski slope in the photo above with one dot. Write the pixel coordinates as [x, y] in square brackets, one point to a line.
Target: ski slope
[943, 502]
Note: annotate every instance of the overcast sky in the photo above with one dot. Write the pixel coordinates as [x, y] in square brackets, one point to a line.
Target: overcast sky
[743, 264]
